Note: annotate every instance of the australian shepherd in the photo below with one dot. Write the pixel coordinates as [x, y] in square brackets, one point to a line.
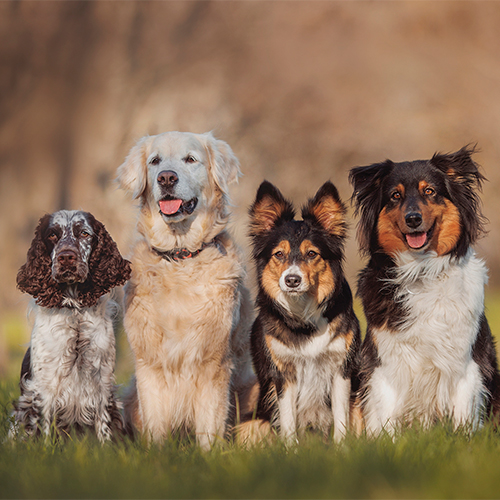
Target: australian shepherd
[428, 352]
[306, 337]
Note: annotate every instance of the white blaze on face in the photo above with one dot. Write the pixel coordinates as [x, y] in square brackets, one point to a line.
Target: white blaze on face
[71, 225]
[292, 280]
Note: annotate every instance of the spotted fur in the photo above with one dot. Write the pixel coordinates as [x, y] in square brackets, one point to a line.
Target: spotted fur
[67, 379]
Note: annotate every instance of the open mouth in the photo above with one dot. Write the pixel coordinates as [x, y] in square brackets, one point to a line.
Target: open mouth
[171, 207]
[418, 240]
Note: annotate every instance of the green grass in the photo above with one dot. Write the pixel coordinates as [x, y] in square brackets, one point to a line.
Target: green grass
[437, 463]
[417, 464]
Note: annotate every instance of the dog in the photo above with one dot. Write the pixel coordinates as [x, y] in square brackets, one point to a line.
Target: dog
[187, 311]
[67, 375]
[306, 337]
[428, 353]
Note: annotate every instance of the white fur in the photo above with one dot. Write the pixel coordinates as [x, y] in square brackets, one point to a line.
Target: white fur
[60, 388]
[427, 370]
[66, 219]
[296, 301]
[318, 364]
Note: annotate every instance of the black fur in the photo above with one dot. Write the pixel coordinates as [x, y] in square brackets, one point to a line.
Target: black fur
[456, 178]
[272, 221]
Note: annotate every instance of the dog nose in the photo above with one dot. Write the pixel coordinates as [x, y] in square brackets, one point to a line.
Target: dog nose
[413, 219]
[293, 281]
[167, 178]
[66, 257]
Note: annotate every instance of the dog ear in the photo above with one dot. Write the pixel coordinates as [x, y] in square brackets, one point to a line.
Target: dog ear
[132, 173]
[327, 210]
[35, 276]
[269, 209]
[367, 197]
[460, 167]
[463, 181]
[107, 268]
[224, 165]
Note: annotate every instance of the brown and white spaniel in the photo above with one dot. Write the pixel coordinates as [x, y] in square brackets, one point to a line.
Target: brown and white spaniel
[67, 375]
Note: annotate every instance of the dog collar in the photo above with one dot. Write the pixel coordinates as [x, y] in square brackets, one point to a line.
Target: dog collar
[183, 253]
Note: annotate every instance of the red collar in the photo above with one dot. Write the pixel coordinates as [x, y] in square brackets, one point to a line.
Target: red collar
[183, 253]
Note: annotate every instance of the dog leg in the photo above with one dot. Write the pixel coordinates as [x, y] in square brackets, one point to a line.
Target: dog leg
[469, 398]
[380, 410]
[341, 389]
[27, 414]
[211, 411]
[152, 392]
[287, 409]
[102, 423]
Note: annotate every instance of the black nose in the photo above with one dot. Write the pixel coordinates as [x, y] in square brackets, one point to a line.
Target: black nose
[167, 178]
[66, 257]
[293, 281]
[413, 219]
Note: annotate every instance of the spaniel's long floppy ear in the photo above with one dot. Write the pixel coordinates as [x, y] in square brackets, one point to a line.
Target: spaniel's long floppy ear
[132, 173]
[35, 276]
[107, 268]
[464, 180]
[224, 165]
[367, 197]
[327, 211]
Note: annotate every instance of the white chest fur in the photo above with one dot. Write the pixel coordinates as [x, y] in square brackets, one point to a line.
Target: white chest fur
[426, 367]
[72, 361]
[317, 364]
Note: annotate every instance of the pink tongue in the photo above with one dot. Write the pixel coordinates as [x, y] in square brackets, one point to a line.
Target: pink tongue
[169, 207]
[416, 240]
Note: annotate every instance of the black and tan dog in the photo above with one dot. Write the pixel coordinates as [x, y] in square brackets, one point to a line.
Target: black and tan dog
[428, 352]
[306, 336]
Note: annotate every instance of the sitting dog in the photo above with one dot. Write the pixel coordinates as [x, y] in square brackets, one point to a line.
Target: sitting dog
[306, 337]
[187, 313]
[428, 351]
[67, 378]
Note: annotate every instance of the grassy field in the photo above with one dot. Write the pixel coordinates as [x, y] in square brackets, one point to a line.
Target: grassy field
[437, 463]
[417, 464]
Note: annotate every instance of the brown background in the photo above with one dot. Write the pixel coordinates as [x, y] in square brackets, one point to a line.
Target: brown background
[302, 91]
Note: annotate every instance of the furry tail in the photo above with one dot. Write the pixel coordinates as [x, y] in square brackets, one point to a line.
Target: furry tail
[253, 432]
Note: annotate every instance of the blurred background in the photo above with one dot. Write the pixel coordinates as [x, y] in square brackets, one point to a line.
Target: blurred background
[301, 90]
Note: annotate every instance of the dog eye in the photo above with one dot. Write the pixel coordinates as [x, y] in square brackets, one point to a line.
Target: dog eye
[190, 159]
[84, 234]
[396, 196]
[155, 161]
[428, 191]
[52, 237]
[279, 254]
[311, 254]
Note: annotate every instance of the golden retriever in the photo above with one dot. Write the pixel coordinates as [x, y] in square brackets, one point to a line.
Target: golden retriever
[187, 312]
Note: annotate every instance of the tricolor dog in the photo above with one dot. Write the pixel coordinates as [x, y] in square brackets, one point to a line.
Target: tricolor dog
[306, 336]
[428, 353]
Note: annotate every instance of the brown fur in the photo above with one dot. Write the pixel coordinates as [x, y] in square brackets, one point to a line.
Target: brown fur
[107, 268]
[445, 217]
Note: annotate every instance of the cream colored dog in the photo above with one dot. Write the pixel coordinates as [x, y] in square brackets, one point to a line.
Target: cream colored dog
[187, 313]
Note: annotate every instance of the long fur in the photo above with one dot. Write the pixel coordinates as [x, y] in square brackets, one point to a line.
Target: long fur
[67, 376]
[428, 352]
[306, 336]
[187, 321]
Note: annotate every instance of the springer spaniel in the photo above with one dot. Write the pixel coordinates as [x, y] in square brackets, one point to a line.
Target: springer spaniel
[67, 378]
